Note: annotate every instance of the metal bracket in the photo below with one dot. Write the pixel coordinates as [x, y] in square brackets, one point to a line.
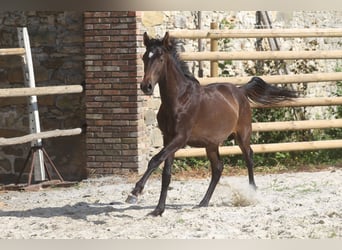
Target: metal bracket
[31, 155]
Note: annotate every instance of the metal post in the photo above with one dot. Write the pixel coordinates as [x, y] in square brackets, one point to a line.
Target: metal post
[264, 22]
[24, 42]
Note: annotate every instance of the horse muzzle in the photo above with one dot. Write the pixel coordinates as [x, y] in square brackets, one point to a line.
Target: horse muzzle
[147, 88]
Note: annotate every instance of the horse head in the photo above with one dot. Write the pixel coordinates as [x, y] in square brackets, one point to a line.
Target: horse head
[154, 59]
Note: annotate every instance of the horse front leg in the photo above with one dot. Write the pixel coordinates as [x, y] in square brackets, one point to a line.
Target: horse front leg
[166, 153]
[139, 186]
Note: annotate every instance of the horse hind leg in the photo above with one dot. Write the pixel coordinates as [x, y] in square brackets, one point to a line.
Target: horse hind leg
[166, 179]
[247, 152]
[216, 172]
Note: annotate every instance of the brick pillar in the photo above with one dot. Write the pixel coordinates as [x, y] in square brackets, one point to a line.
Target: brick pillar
[113, 105]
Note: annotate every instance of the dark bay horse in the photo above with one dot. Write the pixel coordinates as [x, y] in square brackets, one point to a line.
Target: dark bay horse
[198, 116]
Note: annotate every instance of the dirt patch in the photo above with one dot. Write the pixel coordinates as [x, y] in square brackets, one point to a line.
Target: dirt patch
[289, 205]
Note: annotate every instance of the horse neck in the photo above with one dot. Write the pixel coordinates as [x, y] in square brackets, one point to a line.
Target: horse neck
[173, 82]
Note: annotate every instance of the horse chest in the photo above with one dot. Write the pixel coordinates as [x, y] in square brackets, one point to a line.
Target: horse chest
[177, 119]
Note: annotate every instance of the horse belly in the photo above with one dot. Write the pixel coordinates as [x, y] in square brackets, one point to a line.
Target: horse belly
[213, 126]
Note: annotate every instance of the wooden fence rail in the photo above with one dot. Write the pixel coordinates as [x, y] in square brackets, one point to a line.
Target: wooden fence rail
[296, 125]
[277, 79]
[38, 91]
[12, 51]
[256, 33]
[260, 55]
[264, 148]
[304, 102]
[40, 135]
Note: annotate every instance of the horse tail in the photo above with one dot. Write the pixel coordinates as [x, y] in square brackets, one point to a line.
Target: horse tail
[257, 90]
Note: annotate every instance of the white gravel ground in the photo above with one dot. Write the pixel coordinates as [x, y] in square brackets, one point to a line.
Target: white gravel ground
[291, 205]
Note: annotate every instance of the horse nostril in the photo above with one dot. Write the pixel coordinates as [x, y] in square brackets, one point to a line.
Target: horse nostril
[147, 87]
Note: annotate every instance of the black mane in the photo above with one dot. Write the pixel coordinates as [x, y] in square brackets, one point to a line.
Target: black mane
[183, 66]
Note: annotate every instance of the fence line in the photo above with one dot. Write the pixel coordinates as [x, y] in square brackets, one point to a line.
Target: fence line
[296, 125]
[40, 135]
[36, 136]
[303, 102]
[273, 79]
[264, 148]
[260, 55]
[277, 79]
[256, 33]
[38, 91]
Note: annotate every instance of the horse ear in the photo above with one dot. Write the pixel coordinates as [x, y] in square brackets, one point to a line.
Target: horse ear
[166, 41]
[146, 39]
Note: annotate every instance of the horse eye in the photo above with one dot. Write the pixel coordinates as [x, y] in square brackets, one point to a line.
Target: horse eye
[144, 57]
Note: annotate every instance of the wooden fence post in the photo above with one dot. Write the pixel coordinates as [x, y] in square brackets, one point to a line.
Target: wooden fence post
[213, 47]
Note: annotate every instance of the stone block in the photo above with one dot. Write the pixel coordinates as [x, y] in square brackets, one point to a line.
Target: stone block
[152, 18]
[5, 166]
[150, 117]
[156, 138]
[68, 102]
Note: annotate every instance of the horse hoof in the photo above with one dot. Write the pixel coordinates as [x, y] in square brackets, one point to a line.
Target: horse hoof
[132, 199]
[200, 206]
[155, 213]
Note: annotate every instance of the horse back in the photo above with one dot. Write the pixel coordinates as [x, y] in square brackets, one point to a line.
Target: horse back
[222, 108]
[228, 95]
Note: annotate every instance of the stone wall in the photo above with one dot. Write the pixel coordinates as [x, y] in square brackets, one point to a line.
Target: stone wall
[57, 48]
[100, 49]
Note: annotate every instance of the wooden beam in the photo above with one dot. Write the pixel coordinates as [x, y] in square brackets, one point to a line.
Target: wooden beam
[12, 51]
[38, 91]
[277, 79]
[41, 135]
[260, 55]
[302, 102]
[264, 148]
[256, 33]
[296, 125]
